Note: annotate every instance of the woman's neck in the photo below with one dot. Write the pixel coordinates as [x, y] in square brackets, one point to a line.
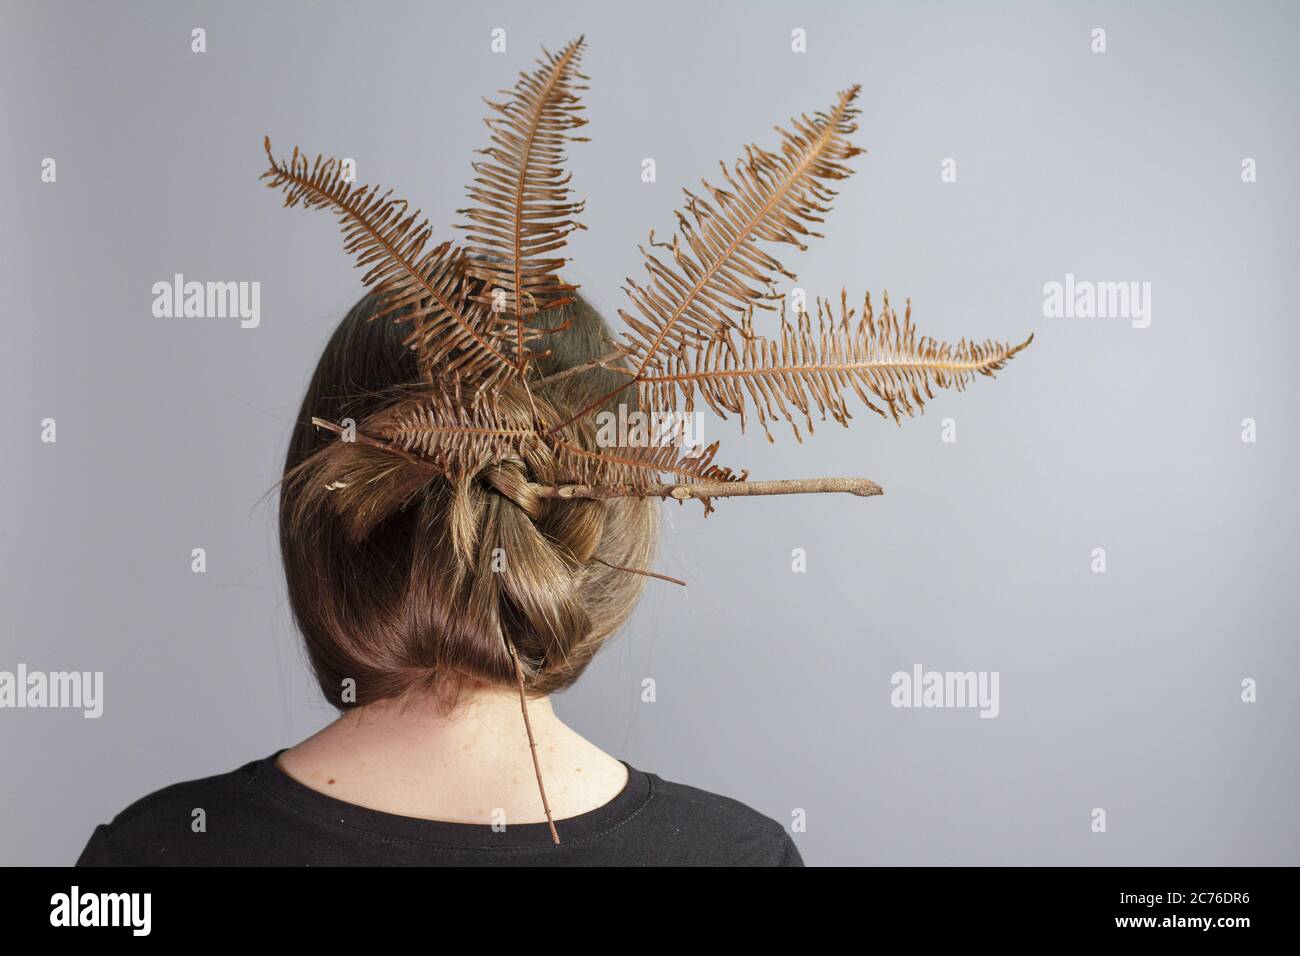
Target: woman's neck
[468, 766]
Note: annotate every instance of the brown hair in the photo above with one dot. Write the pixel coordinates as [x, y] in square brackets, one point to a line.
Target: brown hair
[413, 583]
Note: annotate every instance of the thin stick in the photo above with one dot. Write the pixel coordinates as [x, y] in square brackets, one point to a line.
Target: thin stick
[717, 489]
[528, 726]
[594, 363]
[649, 574]
[593, 405]
[361, 438]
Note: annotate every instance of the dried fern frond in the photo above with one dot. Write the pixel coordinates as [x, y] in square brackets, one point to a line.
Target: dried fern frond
[639, 466]
[718, 271]
[459, 437]
[450, 333]
[524, 212]
[815, 364]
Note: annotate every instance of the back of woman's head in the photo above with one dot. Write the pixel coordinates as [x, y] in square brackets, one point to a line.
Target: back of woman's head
[403, 581]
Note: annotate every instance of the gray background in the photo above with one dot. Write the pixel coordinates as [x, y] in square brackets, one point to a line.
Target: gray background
[1118, 690]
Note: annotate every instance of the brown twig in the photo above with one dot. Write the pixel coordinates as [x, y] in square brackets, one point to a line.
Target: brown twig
[594, 363]
[361, 438]
[532, 743]
[649, 574]
[716, 489]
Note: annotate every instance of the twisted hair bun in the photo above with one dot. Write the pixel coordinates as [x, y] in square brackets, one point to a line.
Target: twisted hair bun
[403, 580]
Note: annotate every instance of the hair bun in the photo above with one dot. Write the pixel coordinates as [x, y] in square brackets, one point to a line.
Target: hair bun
[416, 563]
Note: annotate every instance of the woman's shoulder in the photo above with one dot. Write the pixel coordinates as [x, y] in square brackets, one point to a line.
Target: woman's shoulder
[706, 828]
[167, 820]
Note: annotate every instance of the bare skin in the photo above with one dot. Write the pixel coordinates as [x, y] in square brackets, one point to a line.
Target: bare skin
[415, 760]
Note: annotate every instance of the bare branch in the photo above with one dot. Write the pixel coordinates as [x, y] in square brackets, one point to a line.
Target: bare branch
[717, 489]
[532, 742]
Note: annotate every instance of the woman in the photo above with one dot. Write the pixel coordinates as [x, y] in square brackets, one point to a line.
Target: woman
[411, 594]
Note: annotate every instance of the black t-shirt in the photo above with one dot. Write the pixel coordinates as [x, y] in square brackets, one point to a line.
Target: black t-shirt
[260, 816]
